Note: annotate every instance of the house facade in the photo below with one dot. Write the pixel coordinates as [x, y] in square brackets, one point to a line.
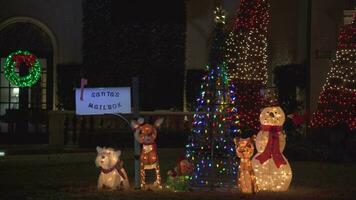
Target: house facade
[52, 30]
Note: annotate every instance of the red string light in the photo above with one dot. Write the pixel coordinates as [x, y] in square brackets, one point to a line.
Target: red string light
[337, 101]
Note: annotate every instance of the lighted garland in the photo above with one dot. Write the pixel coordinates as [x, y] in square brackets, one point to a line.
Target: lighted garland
[14, 60]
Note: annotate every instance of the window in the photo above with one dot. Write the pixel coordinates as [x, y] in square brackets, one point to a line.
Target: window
[10, 94]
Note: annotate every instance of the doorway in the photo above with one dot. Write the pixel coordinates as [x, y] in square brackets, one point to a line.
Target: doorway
[23, 110]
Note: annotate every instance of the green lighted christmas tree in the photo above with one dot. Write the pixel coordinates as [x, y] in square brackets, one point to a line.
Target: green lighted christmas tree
[211, 148]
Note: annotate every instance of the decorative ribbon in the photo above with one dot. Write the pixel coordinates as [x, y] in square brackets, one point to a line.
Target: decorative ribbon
[272, 148]
[28, 59]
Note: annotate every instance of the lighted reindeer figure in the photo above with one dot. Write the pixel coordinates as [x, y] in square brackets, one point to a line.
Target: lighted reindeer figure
[146, 134]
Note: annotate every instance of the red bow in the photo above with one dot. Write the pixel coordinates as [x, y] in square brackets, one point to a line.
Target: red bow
[272, 148]
[28, 59]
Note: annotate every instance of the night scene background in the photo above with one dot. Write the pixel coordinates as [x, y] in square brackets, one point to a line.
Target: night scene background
[190, 57]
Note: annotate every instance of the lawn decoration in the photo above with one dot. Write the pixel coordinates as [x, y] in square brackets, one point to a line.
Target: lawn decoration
[146, 134]
[210, 147]
[13, 63]
[271, 168]
[246, 181]
[112, 175]
[177, 178]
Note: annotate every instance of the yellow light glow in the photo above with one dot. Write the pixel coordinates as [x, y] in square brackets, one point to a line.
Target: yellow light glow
[220, 15]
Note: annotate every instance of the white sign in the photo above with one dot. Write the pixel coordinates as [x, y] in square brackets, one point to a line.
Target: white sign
[98, 101]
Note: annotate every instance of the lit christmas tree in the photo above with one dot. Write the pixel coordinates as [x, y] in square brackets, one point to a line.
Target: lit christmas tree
[246, 54]
[211, 148]
[337, 101]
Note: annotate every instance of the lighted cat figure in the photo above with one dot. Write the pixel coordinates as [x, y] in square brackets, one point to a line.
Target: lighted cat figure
[146, 134]
[246, 181]
[272, 170]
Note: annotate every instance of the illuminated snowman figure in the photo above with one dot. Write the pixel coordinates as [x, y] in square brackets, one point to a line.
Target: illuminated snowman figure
[272, 170]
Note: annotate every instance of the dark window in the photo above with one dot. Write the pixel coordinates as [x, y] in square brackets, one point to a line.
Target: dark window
[10, 94]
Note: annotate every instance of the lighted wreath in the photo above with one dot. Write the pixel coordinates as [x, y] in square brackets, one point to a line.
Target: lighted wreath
[14, 61]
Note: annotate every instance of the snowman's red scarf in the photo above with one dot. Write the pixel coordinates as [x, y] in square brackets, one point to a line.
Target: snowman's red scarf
[118, 166]
[272, 148]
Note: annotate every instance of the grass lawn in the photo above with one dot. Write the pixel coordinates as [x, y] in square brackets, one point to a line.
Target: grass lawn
[73, 176]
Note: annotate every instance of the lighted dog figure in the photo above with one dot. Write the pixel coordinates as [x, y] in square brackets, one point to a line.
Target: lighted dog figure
[146, 134]
[272, 169]
[112, 175]
[246, 181]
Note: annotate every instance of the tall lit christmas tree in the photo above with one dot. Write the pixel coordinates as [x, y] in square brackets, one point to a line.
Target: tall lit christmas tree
[211, 148]
[337, 101]
[246, 54]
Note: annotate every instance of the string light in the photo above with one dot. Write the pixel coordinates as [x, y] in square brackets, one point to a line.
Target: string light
[337, 101]
[219, 15]
[246, 46]
[247, 61]
[210, 147]
[246, 55]
[13, 63]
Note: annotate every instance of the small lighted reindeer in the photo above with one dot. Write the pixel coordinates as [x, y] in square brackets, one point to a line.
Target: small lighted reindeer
[146, 134]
